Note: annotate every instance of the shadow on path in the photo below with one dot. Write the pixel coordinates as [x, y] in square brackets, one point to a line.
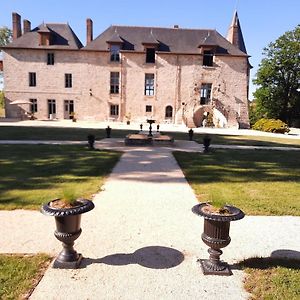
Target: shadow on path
[153, 257]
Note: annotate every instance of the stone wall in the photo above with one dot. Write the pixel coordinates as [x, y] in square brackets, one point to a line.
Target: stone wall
[178, 79]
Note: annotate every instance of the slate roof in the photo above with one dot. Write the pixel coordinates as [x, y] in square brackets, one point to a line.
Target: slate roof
[236, 23]
[185, 41]
[63, 37]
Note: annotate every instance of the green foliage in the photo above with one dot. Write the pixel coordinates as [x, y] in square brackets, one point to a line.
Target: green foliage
[69, 196]
[254, 114]
[18, 274]
[1, 99]
[1, 104]
[209, 120]
[278, 76]
[271, 125]
[5, 35]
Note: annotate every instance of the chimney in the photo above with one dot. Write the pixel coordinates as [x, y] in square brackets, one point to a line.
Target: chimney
[89, 31]
[17, 32]
[176, 26]
[26, 26]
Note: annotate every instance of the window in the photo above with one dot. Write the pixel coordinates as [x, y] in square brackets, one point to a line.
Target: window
[114, 82]
[205, 93]
[208, 57]
[68, 80]
[33, 106]
[114, 53]
[169, 111]
[50, 58]
[148, 108]
[32, 79]
[114, 110]
[150, 55]
[149, 84]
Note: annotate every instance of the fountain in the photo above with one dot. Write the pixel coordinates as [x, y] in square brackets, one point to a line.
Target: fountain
[144, 139]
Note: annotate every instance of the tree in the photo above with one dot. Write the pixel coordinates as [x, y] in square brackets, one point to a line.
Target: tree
[278, 78]
[5, 35]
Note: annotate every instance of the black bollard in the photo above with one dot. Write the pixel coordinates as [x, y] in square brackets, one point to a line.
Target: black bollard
[141, 127]
[191, 134]
[157, 128]
[206, 143]
[108, 132]
[91, 141]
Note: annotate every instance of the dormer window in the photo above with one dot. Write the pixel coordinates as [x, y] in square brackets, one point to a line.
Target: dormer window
[115, 52]
[115, 43]
[208, 58]
[150, 55]
[44, 36]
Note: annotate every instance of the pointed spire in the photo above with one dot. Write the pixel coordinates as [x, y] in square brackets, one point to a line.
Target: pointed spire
[234, 35]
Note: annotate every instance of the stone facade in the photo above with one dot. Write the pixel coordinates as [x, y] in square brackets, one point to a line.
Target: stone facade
[177, 82]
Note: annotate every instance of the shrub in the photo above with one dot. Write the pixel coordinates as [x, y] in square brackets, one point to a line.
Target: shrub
[210, 120]
[271, 125]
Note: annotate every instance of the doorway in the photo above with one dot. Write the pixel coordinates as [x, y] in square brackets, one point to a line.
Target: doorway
[69, 109]
[51, 109]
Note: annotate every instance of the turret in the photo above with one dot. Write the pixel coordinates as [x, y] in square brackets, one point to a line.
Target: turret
[234, 35]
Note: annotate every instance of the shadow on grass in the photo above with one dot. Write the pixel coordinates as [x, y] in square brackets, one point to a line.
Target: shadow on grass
[56, 133]
[240, 166]
[45, 167]
[289, 259]
[153, 257]
[239, 140]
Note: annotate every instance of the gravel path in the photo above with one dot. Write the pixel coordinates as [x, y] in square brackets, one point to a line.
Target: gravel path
[142, 241]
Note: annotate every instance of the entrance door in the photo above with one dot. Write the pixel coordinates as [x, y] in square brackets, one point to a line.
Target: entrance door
[69, 109]
[51, 109]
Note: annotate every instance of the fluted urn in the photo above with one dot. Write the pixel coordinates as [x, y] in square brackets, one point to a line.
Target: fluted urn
[216, 235]
[68, 229]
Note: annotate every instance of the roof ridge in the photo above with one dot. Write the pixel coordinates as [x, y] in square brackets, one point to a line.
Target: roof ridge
[159, 27]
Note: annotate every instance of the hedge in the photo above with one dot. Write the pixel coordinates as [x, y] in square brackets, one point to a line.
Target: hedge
[271, 125]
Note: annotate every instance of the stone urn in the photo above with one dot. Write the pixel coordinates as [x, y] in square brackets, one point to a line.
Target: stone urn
[68, 230]
[216, 235]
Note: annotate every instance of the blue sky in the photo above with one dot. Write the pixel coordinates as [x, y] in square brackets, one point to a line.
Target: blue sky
[261, 21]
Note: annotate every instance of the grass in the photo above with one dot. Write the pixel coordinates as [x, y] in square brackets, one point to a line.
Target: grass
[73, 134]
[34, 174]
[56, 133]
[243, 140]
[260, 182]
[20, 273]
[270, 278]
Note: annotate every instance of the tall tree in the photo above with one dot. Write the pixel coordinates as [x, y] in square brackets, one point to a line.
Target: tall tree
[5, 35]
[278, 78]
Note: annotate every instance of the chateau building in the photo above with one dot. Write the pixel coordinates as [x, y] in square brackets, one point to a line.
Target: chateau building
[132, 73]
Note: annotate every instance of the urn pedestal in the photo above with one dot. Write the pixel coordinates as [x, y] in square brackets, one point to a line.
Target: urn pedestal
[68, 229]
[216, 236]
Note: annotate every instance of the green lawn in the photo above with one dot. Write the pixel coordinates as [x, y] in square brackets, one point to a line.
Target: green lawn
[240, 139]
[73, 134]
[19, 274]
[56, 133]
[270, 278]
[260, 182]
[33, 174]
